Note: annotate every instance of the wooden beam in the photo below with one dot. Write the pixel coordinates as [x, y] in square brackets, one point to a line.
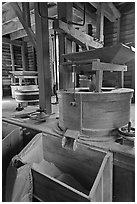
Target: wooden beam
[90, 15]
[8, 12]
[100, 23]
[24, 56]
[21, 33]
[77, 36]
[115, 11]
[28, 30]
[61, 38]
[9, 41]
[43, 58]
[108, 10]
[12, 57]
[108, 66]
[26, 13]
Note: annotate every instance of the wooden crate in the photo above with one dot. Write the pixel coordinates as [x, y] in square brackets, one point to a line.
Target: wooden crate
[91, 167]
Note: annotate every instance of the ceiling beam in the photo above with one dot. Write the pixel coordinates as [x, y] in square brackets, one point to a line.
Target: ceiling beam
[8, 12]
[21, 33]
[76, 35]
[14, 42]
[15, 25]
[28, 30]
[110, 11]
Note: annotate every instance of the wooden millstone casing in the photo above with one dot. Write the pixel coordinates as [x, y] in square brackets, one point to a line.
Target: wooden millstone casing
[95, 113]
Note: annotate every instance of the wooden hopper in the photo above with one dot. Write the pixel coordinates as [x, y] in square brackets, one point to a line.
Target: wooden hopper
[118, 54]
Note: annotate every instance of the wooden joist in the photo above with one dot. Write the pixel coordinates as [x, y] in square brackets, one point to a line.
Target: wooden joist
[80, 38]
[14, 42]
[110, 11]
[28, 30]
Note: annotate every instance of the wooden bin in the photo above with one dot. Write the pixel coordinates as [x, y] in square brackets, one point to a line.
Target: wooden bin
[91, 167]
[12, 140]
[12, 143]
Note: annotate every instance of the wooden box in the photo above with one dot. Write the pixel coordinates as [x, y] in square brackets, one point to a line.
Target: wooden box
[90, 167]
[12, 143]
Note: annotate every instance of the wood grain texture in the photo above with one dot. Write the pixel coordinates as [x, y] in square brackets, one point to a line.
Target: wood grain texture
[81, 164]
[103, 111]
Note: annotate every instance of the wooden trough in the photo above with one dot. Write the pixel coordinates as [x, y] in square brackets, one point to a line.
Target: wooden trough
[94, 113]
[90, 167]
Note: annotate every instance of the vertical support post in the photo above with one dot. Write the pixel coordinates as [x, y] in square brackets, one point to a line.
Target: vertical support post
[12, 56]
[43, 59]
[24, 56]
[12, 62]
[100, 23]
[99, 77]
[120, 75]
[26, 17]
[26, 13]
[65, 45]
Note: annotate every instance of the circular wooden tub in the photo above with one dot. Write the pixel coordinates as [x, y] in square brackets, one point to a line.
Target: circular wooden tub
[27, 95]
[92, 113]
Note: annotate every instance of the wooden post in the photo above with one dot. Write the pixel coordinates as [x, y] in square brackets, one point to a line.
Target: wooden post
[100, 23]
[24, 56]
[28, 30]
[12, 57]
[26, 13]
[12, 62]
[120, 75]
[99, 77]
[43, 59]
[65, 45]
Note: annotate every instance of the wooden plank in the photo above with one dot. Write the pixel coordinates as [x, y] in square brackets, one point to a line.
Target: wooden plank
[90, 15]
[99, 78]
[100, 23]
[28, 30]
[12, 57]
[108, 10]
[43, 59]
[8, 12]
[26, 12]
[24, 56]
[108, 66]
[118, 54]
[114, 10]
[76, 35]
[8, 41]
[21, 33]
[55, 190]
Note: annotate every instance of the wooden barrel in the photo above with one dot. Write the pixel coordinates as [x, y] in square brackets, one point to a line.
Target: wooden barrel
[93, 113]
[27, 95]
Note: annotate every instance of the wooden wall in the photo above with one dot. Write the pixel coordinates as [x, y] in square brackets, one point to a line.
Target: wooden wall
[123, 33]
[6, 59]
[31, 54]
[18, 58]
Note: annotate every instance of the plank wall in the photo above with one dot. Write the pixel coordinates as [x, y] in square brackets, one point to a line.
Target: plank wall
[6, 59]
[18, 58]
[32, 62]
[123, 33]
